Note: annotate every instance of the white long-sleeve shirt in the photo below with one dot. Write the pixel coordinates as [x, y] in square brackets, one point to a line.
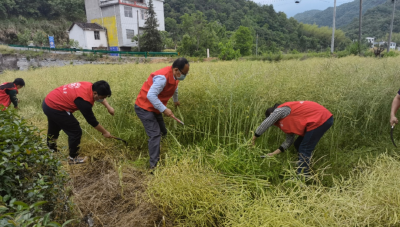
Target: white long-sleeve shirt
[156, 88]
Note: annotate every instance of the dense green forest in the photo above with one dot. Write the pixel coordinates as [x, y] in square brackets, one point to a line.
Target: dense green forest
[345, 13]
[306, 15]
[376, 23]
[195, 25]
[22, 20]
[54, 9]
[192, 26]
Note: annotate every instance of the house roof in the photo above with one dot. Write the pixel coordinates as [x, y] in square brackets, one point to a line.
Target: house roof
[88, 26]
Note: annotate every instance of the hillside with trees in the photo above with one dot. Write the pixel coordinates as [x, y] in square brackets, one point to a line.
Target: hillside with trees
[304, 16]
[376, 22]
[192, 26]
[345, 13]
[195, 25]
[35, 19]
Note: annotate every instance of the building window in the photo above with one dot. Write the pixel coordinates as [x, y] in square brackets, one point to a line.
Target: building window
[130, 34]
[143, 14]
[96, 35]
[128, 11]
[141, 1]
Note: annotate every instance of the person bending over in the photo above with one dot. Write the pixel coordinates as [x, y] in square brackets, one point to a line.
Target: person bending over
[59, 106]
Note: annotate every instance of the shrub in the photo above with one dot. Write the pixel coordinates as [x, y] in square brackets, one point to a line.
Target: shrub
[21, 214]
[369, 53]
[227, 52]
[91, 57]
[294, 51]
[342, 53]
[391, 54]
[353, 48]
[28, 171]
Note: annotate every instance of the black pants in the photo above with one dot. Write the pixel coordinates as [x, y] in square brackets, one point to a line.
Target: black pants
[62, 120]
[155, 128]
[305, 145]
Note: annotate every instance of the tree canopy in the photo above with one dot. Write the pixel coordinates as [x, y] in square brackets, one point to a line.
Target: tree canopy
[49, 9]
[197, 25]
[375, 22]
[151, 38]
[192, 26]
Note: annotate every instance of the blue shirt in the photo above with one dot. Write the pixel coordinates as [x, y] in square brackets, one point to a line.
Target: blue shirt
[156, 88]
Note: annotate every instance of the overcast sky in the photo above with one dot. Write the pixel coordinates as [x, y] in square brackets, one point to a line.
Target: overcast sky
[291, 8]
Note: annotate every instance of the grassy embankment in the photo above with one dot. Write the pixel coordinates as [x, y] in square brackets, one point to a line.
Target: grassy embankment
[208, 173]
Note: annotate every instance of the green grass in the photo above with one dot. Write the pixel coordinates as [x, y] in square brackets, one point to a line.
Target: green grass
[28, 53]
[6, 50]
[222, 104]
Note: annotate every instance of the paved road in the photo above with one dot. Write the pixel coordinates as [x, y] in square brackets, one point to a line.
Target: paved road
[80, 53]
[34, 49]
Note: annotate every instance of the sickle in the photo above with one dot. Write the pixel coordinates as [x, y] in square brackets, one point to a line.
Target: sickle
[391, 135]
[176, 119]
[126, 143]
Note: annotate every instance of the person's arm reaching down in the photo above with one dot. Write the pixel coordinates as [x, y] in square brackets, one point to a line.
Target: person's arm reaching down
[86, 109]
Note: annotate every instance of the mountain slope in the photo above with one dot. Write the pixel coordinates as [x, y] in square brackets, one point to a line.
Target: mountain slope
[35, 19]
[345, 13]
[274, 30]
[306, 15]
[375, 22]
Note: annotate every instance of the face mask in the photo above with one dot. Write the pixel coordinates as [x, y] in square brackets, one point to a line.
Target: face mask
[182, 77]
[99, 100]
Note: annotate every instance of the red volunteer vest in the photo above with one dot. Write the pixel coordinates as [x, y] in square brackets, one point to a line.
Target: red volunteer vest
[4, 97]
[164, 96]
[304, 117]
[62, 98]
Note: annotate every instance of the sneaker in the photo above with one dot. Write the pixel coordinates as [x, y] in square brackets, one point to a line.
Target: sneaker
[152, 169]
[77, 160]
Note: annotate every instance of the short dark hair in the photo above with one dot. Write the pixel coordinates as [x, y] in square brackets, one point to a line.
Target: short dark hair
[102, 88]
[180, 63]
[19, 81]
[271, 109]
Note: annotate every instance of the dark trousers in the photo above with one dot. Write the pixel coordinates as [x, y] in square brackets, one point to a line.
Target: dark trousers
[155, 128]
[306, 145]
[62, 120]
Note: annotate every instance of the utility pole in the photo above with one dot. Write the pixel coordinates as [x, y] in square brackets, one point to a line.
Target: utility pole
[391, 26]
[333, 28]
[138, 33]
[257, 44]
[359, 29]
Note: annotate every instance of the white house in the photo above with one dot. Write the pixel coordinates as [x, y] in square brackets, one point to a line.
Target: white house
[392, 45]
[123, 19]
[382, 43]
[371, 40]
[89, 35]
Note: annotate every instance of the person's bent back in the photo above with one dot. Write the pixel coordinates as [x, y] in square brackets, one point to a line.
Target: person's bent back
[59, 106]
